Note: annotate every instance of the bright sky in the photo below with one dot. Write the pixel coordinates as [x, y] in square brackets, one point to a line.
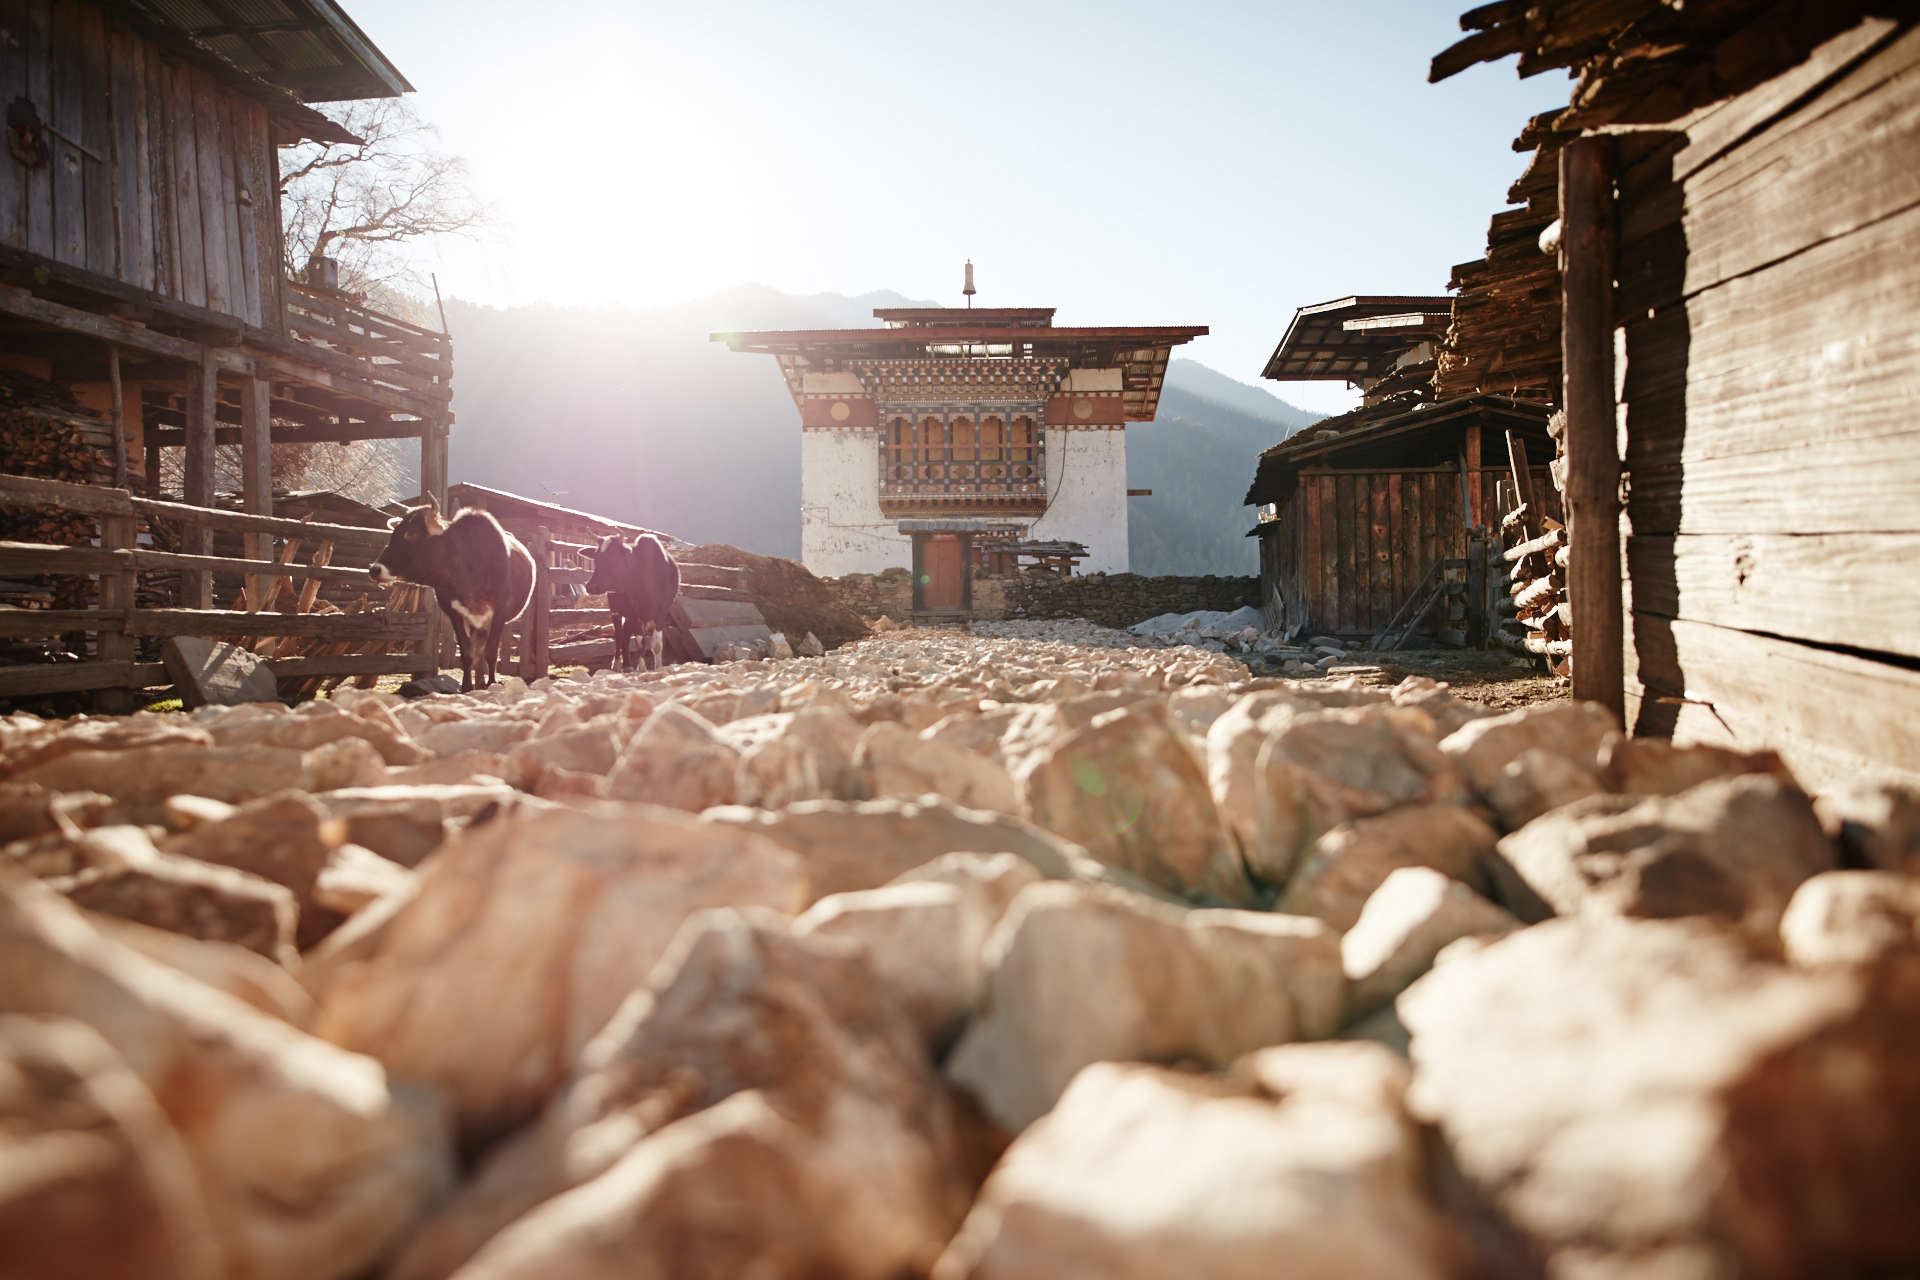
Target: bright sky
[1176, 163]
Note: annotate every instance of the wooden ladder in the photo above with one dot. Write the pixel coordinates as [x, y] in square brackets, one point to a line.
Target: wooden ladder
[1421, 601]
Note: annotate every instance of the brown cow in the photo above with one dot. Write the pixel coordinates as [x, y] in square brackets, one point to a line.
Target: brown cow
[641, 582]
[481, 575]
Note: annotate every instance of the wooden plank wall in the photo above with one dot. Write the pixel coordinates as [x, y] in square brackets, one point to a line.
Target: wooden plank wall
[177, 195]
[1353, 545]
[1772, 409]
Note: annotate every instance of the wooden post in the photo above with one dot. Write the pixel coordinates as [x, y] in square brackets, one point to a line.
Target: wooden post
[1523, 484]
[203, 391]
[533, 648]
[1593, 450]
[256, 474]
[1473, 476]
[116, 595]
[433, 461]
[119, 416]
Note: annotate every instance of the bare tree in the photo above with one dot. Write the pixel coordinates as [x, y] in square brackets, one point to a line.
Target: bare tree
[370, 471]
[369, 205]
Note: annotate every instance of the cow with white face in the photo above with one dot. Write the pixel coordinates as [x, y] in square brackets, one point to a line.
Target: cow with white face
[481, 575]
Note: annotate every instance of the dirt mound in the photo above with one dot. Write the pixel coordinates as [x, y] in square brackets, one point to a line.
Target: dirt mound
[790, 598]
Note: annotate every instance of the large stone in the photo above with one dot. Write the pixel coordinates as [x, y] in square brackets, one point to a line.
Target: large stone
[1329, 767]
[41, 744]
[1080, 974]
[809, 758]
[458, 767]
[406, 823]
[356, 878]
[1233, 742]
[1645, 1098]
[1130, 791]
[28, 810]
[346, 762]
[1574, 731]
[245, 975]
[585, 748]
[1537, 781]
[1657, 767]
[978, 732]
[1437, 699]
[217, 672]
[286, 838]
[1877, 824]
[677, 759]
[1302, 1164]
[925, 933]
[492, 734]
[525, 935]
[1852, 917]
[93, 1181]
[308, 1164]
[851, 846]
[892, 760]
[316, 724]
[1353, 860]
[1736, 848]
[844, 1099]
[141, 779]
[1408, 921]
[119, 873]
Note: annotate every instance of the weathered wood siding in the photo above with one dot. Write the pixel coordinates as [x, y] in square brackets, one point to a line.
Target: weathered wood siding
[1349, 547]
[177, 196]
[1771, 394]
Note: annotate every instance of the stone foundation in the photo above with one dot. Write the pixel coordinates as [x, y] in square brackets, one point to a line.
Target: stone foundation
[1114, 600]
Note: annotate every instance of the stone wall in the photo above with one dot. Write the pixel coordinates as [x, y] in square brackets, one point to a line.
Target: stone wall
[1122, 599]
[873, 595]
[1112, 599]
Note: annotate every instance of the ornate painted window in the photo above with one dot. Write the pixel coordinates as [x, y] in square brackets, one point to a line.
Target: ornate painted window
[962, 459]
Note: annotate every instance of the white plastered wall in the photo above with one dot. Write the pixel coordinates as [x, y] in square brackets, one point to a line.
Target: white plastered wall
[1087, 485]
[841, 528]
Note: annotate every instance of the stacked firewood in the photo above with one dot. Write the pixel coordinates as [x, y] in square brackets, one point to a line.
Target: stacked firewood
[1533, 581]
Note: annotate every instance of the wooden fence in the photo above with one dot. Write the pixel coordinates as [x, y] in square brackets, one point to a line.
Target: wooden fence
[306, 647]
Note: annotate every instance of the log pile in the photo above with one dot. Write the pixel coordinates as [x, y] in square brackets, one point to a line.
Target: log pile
[1505, 334]
[1532, 585]
[44, 433]
[908, 960]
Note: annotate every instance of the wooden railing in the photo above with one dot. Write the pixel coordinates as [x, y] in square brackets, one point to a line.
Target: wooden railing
[305, 647]
[391, 352]
[550, 634]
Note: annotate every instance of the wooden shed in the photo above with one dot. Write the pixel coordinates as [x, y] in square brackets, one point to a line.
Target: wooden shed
[1734, 194]
[142, 287]
[1361, 514]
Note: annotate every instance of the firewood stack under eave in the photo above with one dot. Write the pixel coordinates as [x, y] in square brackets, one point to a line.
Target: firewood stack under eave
[1534, 583]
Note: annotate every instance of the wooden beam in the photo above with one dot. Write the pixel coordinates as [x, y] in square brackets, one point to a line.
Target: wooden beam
[203, 385]
[21, 624]
[237, 522]
[256, 475]
[78, 677]
[119, 416]
[1593, 451]
[349, 664]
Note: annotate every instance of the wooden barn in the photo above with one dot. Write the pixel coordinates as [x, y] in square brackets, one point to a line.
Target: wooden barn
[1376, 522]
[1724, 221]
[144, 307]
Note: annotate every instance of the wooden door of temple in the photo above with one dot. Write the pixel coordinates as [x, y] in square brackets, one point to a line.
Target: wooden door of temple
[945, 567]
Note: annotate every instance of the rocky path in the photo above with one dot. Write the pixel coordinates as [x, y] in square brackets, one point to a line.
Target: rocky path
[1036, 954]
